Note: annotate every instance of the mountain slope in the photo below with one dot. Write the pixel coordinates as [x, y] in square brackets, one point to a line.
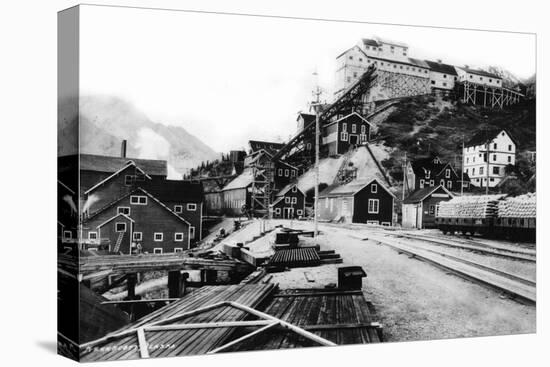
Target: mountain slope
[105, 121]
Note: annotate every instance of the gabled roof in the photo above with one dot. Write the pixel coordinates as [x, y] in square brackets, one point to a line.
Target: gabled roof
[421, 194]
[482, 136]
[125, 167]
[101, 163]
[174, 190]
[480, 72]
[370, 42]
[268, 146]
[351, 188]
[241, 181]
[348, 116]
[116, 216]
[420, 165]
[285, 189]
[134, 192]
[440, 67]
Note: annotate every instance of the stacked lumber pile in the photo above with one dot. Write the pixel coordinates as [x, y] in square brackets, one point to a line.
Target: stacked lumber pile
[295, 258]
[523, 206]
[478, 206]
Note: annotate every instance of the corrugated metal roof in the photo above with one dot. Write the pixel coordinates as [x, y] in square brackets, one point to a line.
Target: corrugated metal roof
[440, 67]
[420, 194]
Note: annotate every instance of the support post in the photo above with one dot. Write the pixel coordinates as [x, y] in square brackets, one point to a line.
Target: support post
[174, 284]
[131, 281]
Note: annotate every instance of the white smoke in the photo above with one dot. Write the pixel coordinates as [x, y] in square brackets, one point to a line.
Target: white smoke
[154, 146]
[91, 199]
[69, 200]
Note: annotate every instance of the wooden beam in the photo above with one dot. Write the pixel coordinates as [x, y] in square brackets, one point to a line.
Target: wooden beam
[208, 325]
[143, 348]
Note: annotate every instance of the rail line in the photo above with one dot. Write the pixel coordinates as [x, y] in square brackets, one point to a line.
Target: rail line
[518, 287]
[501, 252]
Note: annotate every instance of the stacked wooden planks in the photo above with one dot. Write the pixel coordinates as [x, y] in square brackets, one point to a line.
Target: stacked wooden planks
[167, 343]
[139, 263]
[342, 317]
[294, 258]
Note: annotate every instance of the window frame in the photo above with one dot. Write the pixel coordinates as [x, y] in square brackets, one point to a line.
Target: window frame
[192, 232]
[90, 237]
[161, 236]
[374, 188]
[377, 206]
[191, 207]
[140, 236]
[176, 234]
[123, 223]
[176, 207]
[159, 252]
[118, 210]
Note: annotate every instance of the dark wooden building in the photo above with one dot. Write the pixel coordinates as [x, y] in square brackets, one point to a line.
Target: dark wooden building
[420, 208]
[289, 203]
[338, 136]
[67, 213]
[138, 220]
[431, 172]
[357, 202]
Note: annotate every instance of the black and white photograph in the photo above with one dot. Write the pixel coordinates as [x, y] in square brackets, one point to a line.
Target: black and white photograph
[274, 183]
[242, 191]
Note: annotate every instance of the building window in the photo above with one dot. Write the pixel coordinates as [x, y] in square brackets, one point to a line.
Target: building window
[355, 74]
[128, 180]
[442, 182]
[178, 236]
[496, 170]
[433, 82]
[294, 188]
[444, 75]
[280, 172]
[448, 173]
[353, 128]
[294, 200]
[473, 171]
[120, 227]
[373, 206]
[360, 59]
[157, 250]
[178, 249]
[286, 172]
[191, 207]
[363, 129]
[287, 200]
[495, 146]
[137, 236]
[444, 84]
[449, 184]
[509, 159]
[427, 174]
[293, 173]
[299, 212]
[374, 188]
[432, 183]
[480, 170]
[490, 80]
[432, 209]
[467, 160]
[351, 57]
[158, 236]
[421, 184]
[278, 211]
[192, 232]
[344, 127]
[510, 148]
[494, 157]
[123, 210]
[138, 200]
[92, 235]
[344, 136]
[178, 209]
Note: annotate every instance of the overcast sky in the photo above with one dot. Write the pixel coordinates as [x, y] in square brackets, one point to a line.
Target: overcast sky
[227, 79]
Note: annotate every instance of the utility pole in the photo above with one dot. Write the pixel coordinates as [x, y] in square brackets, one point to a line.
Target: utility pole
[404, 176]
[488, 158]
[462, 170]
[317, 106]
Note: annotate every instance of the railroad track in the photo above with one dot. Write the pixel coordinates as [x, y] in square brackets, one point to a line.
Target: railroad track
[518, 287]
[500, 252]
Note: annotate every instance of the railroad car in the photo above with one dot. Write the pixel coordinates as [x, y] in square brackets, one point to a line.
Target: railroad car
[490, 216]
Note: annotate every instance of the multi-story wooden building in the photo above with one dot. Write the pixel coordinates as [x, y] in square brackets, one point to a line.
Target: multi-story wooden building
[442, 76]
[137, 222]
[500, 149]
[431, 172]
[398, 74]
[349, 131]
[368, 202]
[290, 202]
[184, 198]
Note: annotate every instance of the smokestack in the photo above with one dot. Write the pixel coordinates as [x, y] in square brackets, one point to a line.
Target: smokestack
[123, 149]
